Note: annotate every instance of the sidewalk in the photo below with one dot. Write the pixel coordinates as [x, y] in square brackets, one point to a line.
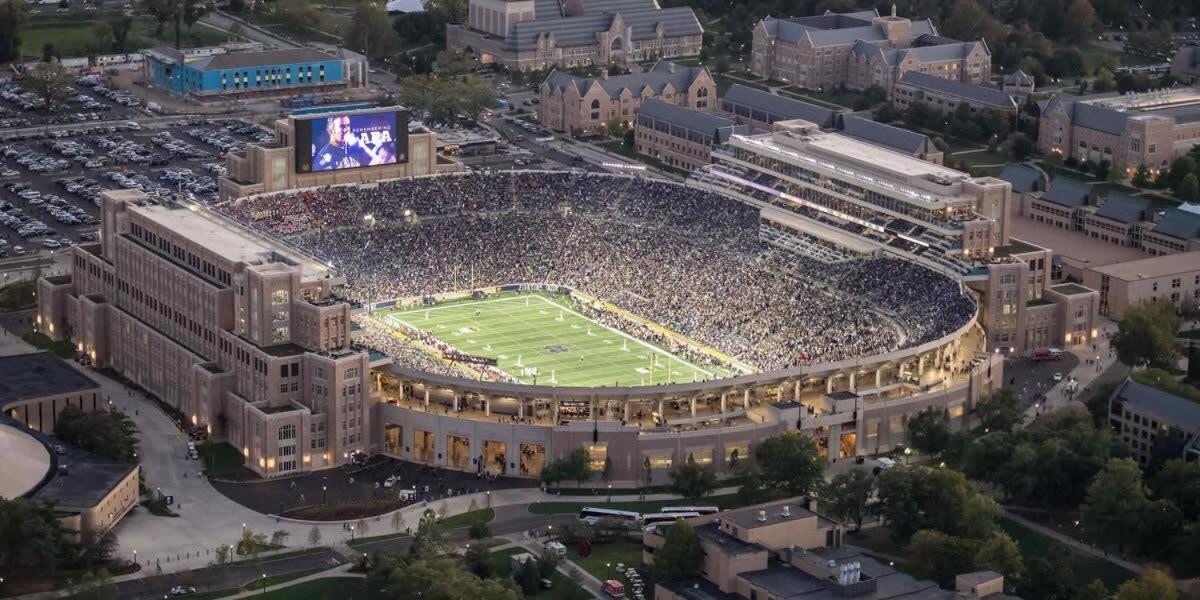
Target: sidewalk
[342, 571]
[1074, 543]
[1103, 359]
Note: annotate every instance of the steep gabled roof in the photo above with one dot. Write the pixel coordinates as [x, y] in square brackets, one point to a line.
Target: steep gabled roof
[657, 78]
[779, 108]
[1179, 223]
[969, 92]
[581, 30]
[702, 122]
[885, 135]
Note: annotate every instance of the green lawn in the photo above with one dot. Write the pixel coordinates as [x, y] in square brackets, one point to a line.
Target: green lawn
[550, 508]
[259, 584]
[485, 515]
[72, 34]
[220, 459]
[537, 338]
[19, 295]
[984, 157]
[561, 585]
[602, 562]
[1085, 567]
[61, 348]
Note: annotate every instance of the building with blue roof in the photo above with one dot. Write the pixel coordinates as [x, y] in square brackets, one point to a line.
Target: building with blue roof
[532, 35]
[1149, 128]
[1140, 413]
[861, 49]
[222, 72]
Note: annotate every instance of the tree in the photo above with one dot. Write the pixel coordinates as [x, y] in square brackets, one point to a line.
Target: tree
[1152, 585]
[929, 430]
[314, 536]
[51, 82]
[1095, 590]
[107, 433]
[296, 14]
[1179, 481]
[370, 31]
[279, 537]
[163, 12]
[221, 554]
[13, 15]
[427, 541]
[680, 555]
[102, 31]
[940, 557]
[790, 464]
[446, 11]
[189, 14]
[1022, 147]
[918, 497]
[1000, 554]
[1000, 410]
[847, 495]
[527, 577]
[1141, 176]
[435, 578]
[121, 27]
[100, 550]
[692, 481]
[1080, 21]
[1180, 167]
[1115, 504]
[1105, 81]
[32, 539]
[476, 560]
[1189, 188]
[453, 62]
[95, 585]
[1146, 335]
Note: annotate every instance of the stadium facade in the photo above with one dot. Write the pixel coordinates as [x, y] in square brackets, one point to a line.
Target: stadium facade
[841, 187]
[244, 337]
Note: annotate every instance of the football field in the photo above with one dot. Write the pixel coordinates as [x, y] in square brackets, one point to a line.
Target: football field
[535, 338]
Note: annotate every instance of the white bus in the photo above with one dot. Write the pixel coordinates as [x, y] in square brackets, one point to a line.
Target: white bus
[703, 510]
[591, 515]
[653, 519]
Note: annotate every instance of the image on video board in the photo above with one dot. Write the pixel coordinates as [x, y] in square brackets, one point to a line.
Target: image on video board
[350, 141]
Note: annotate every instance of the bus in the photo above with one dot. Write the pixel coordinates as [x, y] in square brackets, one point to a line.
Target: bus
[703, 510]
[591, 515]
[653, 519]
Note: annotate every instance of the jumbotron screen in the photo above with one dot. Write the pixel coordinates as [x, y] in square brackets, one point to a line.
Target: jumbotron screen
[351, 140]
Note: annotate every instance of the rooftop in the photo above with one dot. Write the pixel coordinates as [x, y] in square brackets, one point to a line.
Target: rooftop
[226, 238]
[968, 92]
[1073, 248]
[750, 517]
[886, 135]
[1110, 112]
[1070, 289]
[702, 122]
[1014, 247]
[26, 461]
[1123, 208]
[579, 23]
[1172, 409]
[1156, 266]
[37, 375]
[1023, 177]
[776, 107]
[1179, 223]
[711, 533]
[657, 78]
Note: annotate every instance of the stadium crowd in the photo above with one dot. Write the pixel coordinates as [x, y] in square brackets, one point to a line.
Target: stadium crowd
[687, 259]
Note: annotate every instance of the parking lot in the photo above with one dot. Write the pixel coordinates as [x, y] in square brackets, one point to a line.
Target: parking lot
[50, 183]
[91, 99]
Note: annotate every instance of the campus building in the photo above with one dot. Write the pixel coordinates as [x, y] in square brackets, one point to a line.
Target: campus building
[1140, 413]
[681, 137]
[532, 35]
[220, 72]
[1128, 131]
[1185, 64]
[91, 494]
[861, 49]
[786, 549]
[239, 334]
[1173, 278]
[1113, 217]
[841, 187]
[268, 168]
[581, 105]
[945, 95]
[762, 109]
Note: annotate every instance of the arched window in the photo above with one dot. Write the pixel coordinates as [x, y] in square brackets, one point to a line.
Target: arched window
[703, 93]
[595, 104]
[287, 432]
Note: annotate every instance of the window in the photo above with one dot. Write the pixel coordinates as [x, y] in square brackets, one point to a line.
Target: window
[287, 432]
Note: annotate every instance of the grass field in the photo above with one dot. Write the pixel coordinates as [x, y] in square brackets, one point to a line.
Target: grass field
[527, 332]
[74, 34]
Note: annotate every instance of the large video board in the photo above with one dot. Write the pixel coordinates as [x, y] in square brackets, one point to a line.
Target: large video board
[333, 142]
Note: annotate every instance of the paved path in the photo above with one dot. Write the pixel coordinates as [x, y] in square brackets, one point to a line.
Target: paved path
[1097, 365]
[342, 571]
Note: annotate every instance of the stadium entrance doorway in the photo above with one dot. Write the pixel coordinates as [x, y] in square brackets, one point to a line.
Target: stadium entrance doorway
[533, 458]
[458, 452]
[423, 446]
[393, 438]
[494, 457]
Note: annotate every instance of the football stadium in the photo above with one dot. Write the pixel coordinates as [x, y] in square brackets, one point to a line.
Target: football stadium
[513, 316]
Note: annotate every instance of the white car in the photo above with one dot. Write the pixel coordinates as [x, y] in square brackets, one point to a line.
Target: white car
[1058, 377]
[182, 590]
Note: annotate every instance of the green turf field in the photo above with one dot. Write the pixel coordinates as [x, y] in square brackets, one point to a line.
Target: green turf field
[531, 331]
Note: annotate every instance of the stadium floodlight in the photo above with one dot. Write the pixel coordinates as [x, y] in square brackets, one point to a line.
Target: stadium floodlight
[623, 166]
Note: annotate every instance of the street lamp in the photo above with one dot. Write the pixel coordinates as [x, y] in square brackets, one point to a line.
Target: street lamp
[323, 494]
[907, 453]
[610, 492]
[264, 582]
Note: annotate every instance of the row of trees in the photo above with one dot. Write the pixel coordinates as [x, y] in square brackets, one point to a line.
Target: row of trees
[176, 14]
[107, 433]
[442, 100]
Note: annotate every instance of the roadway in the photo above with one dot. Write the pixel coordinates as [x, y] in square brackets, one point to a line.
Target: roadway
[227, 577]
